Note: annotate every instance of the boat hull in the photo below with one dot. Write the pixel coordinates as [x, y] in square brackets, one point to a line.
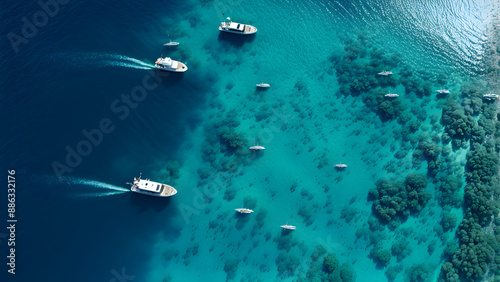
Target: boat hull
[180, 68]
[153, 194]
[167, 191]
[248, 30]
[244, 211]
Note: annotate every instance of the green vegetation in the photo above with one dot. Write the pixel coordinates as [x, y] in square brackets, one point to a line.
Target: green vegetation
[401, 249]
[330, 270]
[172, 172]
[478, 250]
[420, 272]
[287, 264]
[380, 256]
[230, 267]
[223, 137]
[358, 77]
[458, 125]
[449, 221]
[395, 198]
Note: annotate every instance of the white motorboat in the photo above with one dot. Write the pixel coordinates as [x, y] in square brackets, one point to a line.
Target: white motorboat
[245, 211]
[237, 28]
[263, 85]
[385, 73]
[443, 91]
[167, 64]
[491, 96]
[257, 148]
[340, 165]
[171, 43]
[288, 227]
[148, 187]
[391, 95]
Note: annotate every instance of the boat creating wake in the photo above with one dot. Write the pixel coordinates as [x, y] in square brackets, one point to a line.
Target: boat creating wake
[100, 60]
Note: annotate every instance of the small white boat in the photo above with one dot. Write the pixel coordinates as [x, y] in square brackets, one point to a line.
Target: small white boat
[385, 73]
[237, 28]
[171, 43]
[257, 148]
[340, 165]
[391, 95]
[150, 188]
[263, 85]
[245, 211]
[167, 64]
[288, 227]
[491, 96]
[443, 91]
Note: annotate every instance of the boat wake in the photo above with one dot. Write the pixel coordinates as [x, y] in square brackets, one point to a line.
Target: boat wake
[100, 60]
[93, 189]
[127, 62]
[96, 184]
[96, 195]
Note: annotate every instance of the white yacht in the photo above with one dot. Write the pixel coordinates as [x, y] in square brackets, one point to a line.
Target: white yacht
[245, 211]
[385, 73]
[237, 28]
[167, 64]
[288, 227]
[491, 96]
[443, 91]
[171, 43]
[148, 187]
[257, 148]
[391, 95]
[263, 85]
[340, 165]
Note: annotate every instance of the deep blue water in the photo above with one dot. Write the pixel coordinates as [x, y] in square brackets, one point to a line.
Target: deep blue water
[66, 78]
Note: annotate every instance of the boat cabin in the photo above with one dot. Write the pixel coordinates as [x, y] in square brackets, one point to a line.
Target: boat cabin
[236, 26]
[149, 186]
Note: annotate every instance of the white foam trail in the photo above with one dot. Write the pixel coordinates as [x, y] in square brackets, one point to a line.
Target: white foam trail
[100, 60]
[97, 195]
[139, 62]
[96, 184]
[126, 65]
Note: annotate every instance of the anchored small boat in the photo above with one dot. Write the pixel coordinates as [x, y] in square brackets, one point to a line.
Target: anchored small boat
[391, 95]
[167, 64]
[237, 28]
[257, 148]
[244, 211]
[340, 165]
[491, 96]
[263, 85]
[443, 91]
[150, 188]
[171, 43]
[288, 227]
[385, 73]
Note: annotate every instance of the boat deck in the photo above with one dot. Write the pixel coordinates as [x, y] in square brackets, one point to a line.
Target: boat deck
[249, 29]
[167, 190]
[180, 67]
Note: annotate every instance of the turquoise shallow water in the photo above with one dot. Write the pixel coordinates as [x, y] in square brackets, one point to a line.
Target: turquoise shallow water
[302, 120]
